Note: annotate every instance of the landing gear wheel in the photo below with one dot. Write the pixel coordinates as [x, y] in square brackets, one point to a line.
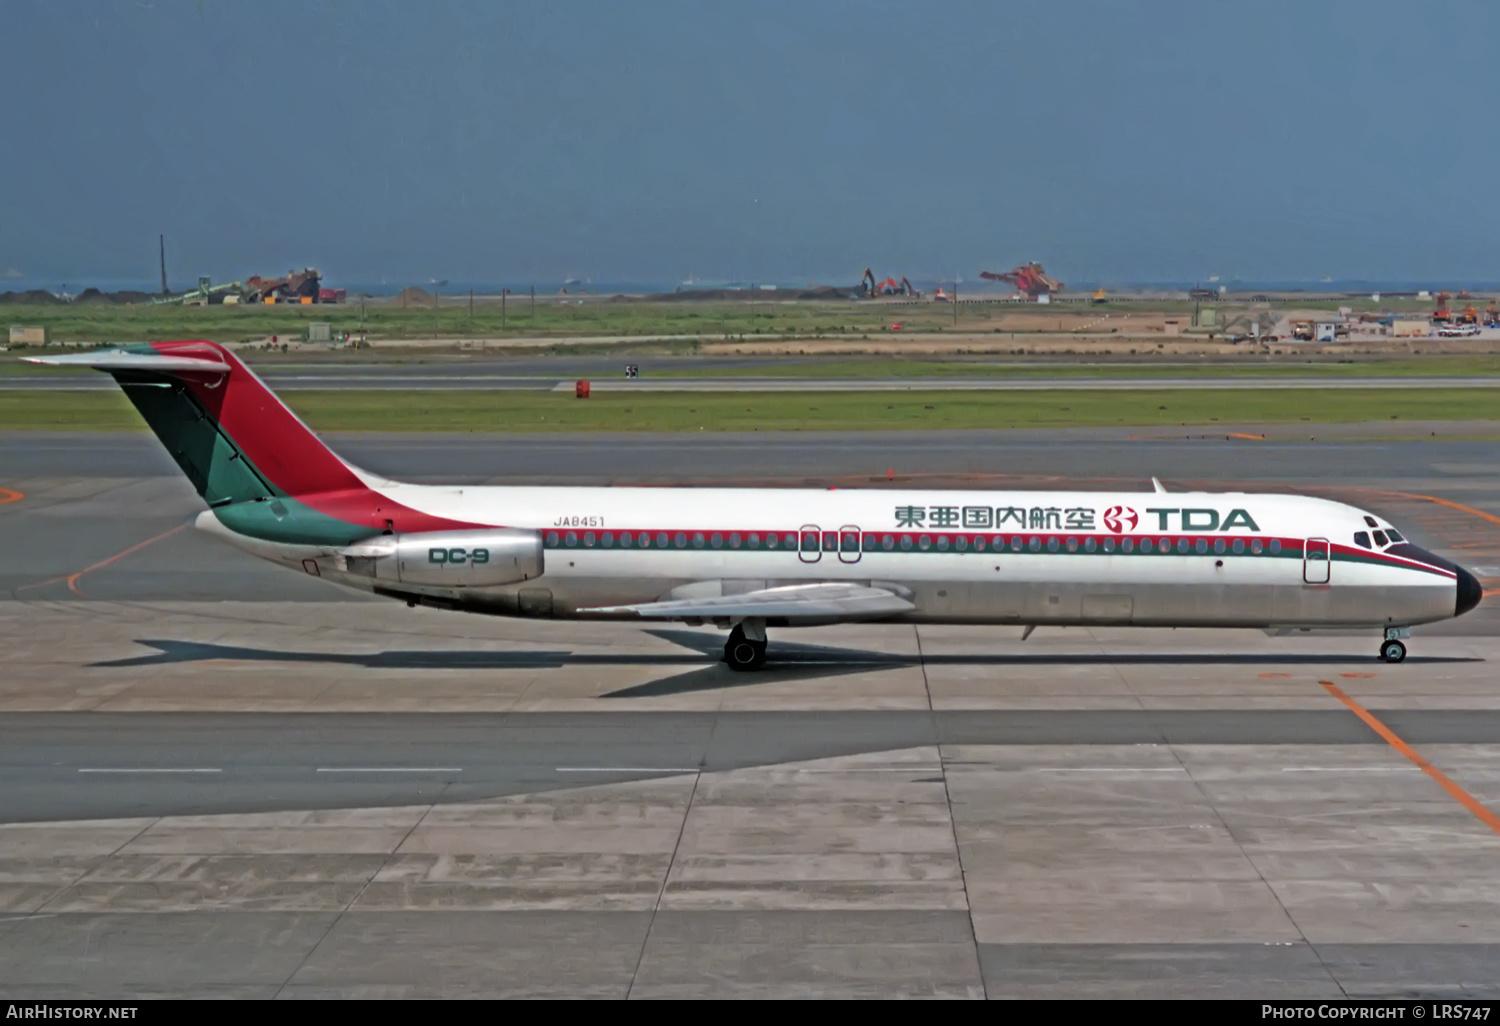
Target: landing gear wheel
[743, 654]
[1392, 651]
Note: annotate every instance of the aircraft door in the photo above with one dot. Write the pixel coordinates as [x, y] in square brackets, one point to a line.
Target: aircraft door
[810, 543]
[848, 543]
[1317, 560]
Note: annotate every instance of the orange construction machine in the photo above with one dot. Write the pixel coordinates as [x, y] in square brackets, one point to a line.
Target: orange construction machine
[1028, 278]
[890, 287]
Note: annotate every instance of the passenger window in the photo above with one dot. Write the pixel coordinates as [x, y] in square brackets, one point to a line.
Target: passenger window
[1380, 538]
[809, 541]
[1393, 536]
[1362, 539]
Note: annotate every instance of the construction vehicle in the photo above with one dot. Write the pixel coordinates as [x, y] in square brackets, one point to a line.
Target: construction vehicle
[1028, 278]
[297, 287]
[1441, 314]
[1100, 296]
[869, 287]
[1492, 316]
[1469, 316]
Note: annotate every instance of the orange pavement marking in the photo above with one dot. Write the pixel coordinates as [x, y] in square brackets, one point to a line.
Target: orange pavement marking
[1463, 797]
[9, 495]
[72, 579]
[1251, 438]
[1279, 676]
[1452, 505]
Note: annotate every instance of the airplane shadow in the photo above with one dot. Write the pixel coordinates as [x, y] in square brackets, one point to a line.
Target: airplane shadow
[786, 661]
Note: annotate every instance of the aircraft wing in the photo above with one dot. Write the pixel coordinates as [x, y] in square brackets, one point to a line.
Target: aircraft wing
[827, 601]
[123, 359]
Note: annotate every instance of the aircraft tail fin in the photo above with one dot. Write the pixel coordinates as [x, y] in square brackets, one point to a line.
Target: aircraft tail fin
[232, 437]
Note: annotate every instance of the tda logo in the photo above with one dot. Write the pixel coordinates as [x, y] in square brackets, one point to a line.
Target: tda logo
[1120, 518]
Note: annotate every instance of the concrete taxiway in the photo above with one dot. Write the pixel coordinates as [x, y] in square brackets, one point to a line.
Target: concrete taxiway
[224, 779]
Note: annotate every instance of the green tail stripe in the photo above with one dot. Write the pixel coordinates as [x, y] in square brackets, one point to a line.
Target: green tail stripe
[220, 473]
[287, 521]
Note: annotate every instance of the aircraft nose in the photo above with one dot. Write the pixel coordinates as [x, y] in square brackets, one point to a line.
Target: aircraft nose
[1469, 592]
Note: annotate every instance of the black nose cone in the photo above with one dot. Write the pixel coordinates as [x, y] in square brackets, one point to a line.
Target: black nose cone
[1469, 592]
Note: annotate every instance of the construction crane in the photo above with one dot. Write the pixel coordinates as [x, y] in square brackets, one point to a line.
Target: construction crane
[1028, 278]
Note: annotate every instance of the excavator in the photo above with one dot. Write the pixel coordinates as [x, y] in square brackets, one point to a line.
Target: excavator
[1028, 278]
[869, 287]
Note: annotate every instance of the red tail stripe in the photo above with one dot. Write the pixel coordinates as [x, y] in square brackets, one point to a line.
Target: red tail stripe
[286, 451]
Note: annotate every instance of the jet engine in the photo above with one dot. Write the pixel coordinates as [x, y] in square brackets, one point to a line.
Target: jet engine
[448, 559]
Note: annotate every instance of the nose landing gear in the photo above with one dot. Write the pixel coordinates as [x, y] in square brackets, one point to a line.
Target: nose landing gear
[746, 647]
[1393, 649]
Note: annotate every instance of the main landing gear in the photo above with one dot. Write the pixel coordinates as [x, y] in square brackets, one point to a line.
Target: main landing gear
[1393, 649]
[746, 647]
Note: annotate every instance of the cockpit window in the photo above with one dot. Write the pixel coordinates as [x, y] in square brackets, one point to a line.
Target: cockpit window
[1380, 539]
[1371, 522]
[1392, 535]
[1362, 539]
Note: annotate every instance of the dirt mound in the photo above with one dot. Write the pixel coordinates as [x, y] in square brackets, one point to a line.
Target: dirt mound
[30, 296]
[93, 295]
[415, 296]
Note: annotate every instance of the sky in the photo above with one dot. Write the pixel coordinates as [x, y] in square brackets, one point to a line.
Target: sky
[772, 141]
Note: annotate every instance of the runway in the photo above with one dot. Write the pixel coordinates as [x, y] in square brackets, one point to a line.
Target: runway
[459, 378]
[223, 779]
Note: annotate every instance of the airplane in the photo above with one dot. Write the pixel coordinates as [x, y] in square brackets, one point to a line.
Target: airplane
[747, 560]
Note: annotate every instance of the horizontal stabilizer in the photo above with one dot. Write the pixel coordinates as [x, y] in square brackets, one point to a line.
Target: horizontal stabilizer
[125, 360]
[829, 600]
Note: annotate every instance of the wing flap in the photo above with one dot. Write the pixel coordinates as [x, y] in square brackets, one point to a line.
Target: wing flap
[821, 601]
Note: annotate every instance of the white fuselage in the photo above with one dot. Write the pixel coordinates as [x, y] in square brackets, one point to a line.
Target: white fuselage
[1184, 559]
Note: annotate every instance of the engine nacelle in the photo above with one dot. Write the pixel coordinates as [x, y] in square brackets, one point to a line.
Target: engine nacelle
[449, 559]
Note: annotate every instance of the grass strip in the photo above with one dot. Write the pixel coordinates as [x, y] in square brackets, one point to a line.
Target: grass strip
[504, 412]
